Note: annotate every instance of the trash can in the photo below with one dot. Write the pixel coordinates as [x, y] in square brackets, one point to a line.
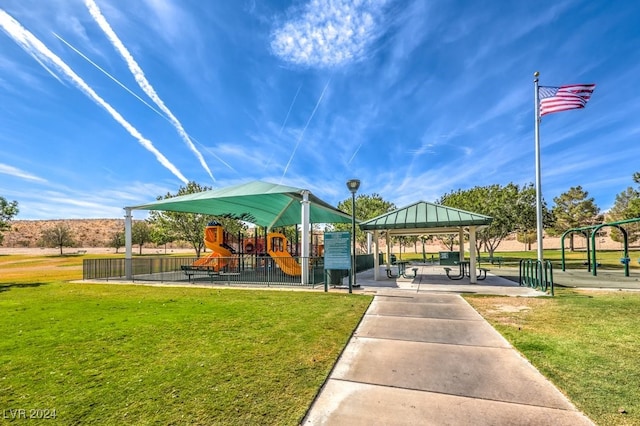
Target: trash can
[449, 257]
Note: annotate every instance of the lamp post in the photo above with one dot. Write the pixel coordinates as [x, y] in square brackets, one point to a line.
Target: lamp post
[353, 185]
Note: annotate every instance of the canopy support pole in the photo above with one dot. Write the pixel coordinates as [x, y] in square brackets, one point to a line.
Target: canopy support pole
[305, 236]
[128, 270]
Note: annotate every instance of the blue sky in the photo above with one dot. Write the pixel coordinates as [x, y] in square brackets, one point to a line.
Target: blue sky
[106, 104]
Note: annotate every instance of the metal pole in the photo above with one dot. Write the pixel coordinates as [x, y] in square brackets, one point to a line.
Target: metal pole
[538, 167]
[353, 185]
[352, 282]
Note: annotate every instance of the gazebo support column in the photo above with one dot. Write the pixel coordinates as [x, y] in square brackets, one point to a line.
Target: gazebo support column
[376, 258]
[388, 260]
[473, 278]
[461, 240]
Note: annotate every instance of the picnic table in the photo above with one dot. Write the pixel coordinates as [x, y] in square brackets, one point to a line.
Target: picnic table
[465, 271]
[402, 270]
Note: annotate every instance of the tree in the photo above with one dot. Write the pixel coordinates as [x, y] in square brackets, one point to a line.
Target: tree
[626, 206]
[367, 207]
[573, 210]
[58, 236]
[512, 208]
[189, 227]
[117, 240]
[423, 240]
[7, 211]
[160, 236]
[140, 233]
[448, 240]
[527, 238]
[404, 241]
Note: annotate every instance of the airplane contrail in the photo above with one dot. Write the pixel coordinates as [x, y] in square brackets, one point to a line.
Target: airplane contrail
[34, 47]
[354, 154]
[305, 129]
[286, 118]
[290, 108]
[109, 75]
[141, 79]
[132, 93]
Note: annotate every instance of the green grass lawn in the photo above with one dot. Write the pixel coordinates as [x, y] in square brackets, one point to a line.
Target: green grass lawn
[587, 343]
[125, 354]
[116, 354]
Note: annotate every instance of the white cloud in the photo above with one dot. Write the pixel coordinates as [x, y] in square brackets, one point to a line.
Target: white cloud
[328, 33]
[13, 171]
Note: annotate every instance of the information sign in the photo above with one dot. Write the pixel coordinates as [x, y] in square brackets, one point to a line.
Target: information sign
[337, 250]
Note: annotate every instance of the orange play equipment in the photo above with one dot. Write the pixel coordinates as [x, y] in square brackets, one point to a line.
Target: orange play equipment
[221, 253]
[277, 249]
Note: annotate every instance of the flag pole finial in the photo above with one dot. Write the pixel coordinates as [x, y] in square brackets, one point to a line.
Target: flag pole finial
[536, 74]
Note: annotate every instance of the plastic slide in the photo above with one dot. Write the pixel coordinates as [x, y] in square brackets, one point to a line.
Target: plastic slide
[219, 257]
[277, 250]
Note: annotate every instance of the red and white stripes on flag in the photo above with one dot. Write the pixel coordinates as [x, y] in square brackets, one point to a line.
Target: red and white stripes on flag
[563, 98]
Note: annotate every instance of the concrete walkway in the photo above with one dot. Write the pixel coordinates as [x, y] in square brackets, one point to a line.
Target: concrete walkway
[423, 356]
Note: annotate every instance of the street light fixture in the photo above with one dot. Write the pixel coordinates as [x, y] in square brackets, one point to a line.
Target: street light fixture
[353, 185]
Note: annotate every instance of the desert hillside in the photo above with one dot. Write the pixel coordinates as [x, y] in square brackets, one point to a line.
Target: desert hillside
[86, 232]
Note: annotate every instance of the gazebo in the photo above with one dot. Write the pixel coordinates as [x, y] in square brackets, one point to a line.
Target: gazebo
[423, 218]
[261, 203]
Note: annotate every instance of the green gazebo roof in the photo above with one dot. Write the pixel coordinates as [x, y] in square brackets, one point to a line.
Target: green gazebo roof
[424, 217]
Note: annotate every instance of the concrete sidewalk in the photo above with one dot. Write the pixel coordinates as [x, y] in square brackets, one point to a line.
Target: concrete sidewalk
[426, 357]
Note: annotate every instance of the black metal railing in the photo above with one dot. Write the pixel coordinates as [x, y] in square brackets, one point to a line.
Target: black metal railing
[238, 270]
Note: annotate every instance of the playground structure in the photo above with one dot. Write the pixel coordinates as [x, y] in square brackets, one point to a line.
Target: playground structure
[277, 249]
[234, 254]
[222, 254]
[590, 233]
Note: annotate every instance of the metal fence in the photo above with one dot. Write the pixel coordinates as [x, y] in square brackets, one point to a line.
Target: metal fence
[239, 270]
[537, 274]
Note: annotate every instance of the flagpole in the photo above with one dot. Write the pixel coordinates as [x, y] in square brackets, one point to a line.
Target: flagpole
[538, 178]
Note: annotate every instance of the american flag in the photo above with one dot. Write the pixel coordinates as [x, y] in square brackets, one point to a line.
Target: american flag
[563, 98]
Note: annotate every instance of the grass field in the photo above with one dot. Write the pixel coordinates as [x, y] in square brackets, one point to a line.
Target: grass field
[114, 354]
[120, 354]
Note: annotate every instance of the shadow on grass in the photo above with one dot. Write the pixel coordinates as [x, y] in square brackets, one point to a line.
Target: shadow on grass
[7, 287]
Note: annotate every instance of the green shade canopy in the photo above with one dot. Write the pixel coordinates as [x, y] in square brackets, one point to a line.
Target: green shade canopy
[262, 203]
[424, 218]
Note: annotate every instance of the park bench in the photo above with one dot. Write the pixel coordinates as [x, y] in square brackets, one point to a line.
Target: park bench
[191, 271]
[491, 260]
